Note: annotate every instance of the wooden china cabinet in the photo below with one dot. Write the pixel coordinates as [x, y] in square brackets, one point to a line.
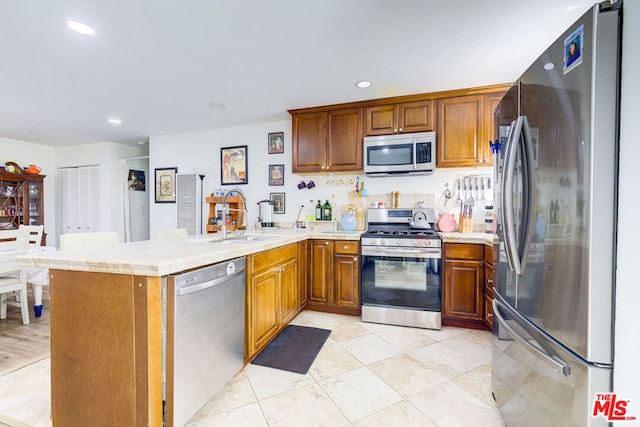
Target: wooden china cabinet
[21, 200]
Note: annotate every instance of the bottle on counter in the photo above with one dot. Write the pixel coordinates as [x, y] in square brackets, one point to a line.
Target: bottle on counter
[319, 211]
[326, 211]
[311, 211]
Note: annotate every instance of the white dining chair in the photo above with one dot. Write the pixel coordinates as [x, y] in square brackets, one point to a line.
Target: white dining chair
[35, 234]
[171, 234]
[13, 278]
[88, 240]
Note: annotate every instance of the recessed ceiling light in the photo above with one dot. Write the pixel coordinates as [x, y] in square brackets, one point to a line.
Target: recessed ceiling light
[114, 121]
[82, 28]
[217, 106]
[363, 84]
[549, 66]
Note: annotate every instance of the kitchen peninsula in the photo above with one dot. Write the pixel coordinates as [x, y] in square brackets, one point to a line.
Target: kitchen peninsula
[107, 321]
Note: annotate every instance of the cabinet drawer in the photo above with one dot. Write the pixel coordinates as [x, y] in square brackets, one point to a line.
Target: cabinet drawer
[488, 254]
[463, 251]
[267, 259]
[346, 247]
[488, 311]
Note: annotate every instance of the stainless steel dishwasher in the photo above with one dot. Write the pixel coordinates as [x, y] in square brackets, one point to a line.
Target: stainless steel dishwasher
[205, 335]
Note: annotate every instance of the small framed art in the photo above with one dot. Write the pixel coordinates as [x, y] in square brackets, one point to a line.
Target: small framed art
[234, 165]
[166, 185]
[276, 142]
[278, 202]
[276, 175]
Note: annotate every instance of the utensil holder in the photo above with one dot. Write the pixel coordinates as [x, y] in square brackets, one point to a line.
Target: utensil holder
[465, 224]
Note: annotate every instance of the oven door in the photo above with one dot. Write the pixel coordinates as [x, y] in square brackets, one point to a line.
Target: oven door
[401, 278]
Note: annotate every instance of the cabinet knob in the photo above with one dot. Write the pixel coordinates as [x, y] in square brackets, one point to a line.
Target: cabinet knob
[326, 243]
[401, 129]
[395, 130]
[346, 246]
[490, 315]
[489, 281]
[355, 258]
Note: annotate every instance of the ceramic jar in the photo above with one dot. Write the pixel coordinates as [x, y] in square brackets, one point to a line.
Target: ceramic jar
[446, 223]
[33, 170]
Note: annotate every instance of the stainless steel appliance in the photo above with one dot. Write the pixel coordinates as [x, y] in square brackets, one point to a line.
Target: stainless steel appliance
[265, 213]
[400, 154]
[401, 280]
[556, 196]
[205, 335]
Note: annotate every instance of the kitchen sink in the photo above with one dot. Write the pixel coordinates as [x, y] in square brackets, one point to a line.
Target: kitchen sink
[248, 239]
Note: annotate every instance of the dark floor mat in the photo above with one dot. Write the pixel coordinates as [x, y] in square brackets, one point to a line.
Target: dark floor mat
[294, 349]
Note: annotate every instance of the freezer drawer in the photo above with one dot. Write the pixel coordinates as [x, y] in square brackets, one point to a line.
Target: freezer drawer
[536, 382]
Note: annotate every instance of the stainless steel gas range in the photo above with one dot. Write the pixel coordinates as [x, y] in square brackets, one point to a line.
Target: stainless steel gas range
[401, 281]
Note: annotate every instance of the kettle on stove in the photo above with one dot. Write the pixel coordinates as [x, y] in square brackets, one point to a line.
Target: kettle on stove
[265, 213]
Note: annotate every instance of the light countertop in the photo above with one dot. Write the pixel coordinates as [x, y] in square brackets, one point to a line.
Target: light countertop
[161, 258]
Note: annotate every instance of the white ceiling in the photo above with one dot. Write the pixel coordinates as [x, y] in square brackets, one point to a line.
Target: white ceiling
[158, 64]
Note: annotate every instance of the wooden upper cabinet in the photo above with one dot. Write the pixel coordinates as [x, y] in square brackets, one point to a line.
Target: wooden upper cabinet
[329, 141]
[465, 127]
[309, 142]
[399, 118]
[344, 145]
[459, 134]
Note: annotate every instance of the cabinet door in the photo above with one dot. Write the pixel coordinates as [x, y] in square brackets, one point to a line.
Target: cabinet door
[309, 142]
[488, 311]
[415, 117]
[489, 129]
[263, 312]
[462, 293]
[459, 134]
[344, 149]
[319, 271]
[289, 294]
[381, 120]
[346, 279]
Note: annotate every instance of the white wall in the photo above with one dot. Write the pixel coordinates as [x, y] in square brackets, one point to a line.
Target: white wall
[199, 153]
[627, 344]
[26, 153]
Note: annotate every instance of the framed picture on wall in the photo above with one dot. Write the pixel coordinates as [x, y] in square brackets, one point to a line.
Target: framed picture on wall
[136, 180]
[233, 161]
[276, 142]
[276, 175]
[166, 185]
[278, 202]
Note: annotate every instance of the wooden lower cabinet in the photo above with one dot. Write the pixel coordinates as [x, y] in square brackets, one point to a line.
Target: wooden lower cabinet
[273, 296]
[334, 276]
[463, 285]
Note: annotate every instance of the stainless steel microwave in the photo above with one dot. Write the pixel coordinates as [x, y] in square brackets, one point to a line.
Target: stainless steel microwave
[400, 154]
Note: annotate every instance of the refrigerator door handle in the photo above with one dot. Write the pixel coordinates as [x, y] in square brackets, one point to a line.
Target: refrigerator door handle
[530, 207]
[552, 359]
[508, 220]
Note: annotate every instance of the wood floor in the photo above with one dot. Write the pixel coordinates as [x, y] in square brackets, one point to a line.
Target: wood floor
[21, 345]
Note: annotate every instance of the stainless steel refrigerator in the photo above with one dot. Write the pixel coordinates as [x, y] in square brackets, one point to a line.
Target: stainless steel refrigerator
[556, 173]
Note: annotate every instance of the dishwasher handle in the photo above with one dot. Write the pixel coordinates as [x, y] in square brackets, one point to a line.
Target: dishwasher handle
[209, 283]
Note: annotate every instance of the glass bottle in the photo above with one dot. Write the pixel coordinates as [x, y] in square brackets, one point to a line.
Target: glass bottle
[326, 211]
[319, 211]
[311, 211]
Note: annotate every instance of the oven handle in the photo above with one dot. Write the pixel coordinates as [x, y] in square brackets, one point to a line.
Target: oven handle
[401, 253]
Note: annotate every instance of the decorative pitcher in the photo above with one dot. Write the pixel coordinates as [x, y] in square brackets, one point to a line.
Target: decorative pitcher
[33, 170]
[446, 222]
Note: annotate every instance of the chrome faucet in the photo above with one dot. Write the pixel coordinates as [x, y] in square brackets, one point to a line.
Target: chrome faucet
[225, 209]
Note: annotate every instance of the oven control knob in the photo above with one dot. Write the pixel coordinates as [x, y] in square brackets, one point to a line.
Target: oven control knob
[383, 242]
[399, 242]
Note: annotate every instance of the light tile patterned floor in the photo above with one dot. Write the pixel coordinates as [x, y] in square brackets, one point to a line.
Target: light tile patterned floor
[365, 375]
